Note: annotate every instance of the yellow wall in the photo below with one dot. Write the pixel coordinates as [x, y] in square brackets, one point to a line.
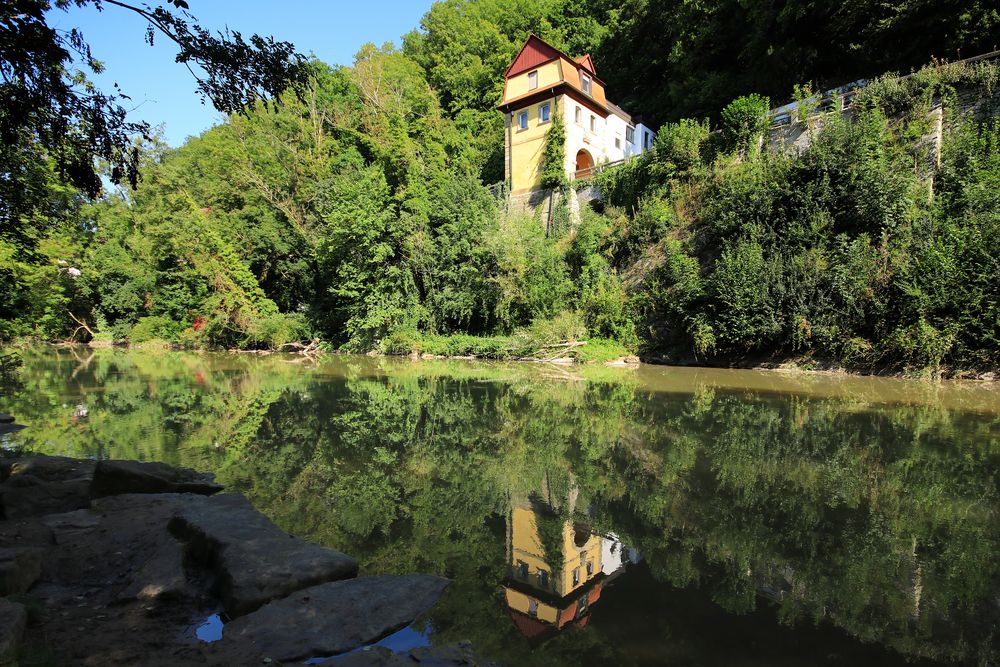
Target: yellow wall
[519, 602]
[549, 74]
[526, 546]
[524, 150]
[526, 147]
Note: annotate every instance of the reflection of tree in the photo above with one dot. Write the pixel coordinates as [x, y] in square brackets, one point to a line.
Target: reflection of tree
[882, 520]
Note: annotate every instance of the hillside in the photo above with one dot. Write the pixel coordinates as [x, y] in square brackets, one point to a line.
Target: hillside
[355, 212]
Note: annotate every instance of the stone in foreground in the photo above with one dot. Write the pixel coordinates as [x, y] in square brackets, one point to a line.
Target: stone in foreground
[255, 560]
[13, 618]
[39, 485]
[452, 655]
[337, 617]
[19, 569]
[112, 478]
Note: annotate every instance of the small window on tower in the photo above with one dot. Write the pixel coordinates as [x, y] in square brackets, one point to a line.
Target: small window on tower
[593, 123]
[579, 116]
[585, 82]
[522, 120]
[532, 80]
[544, 113]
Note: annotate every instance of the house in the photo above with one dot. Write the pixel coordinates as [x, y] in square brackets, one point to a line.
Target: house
[543, 81]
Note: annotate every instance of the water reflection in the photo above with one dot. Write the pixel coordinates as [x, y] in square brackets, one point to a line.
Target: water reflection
[557, 570]
[799, 517]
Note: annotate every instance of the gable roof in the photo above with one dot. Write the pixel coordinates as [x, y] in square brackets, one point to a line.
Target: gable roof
[587, 62]
[534, 52]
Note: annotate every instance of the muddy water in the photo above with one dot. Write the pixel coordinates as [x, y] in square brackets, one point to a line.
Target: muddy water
[595, 516]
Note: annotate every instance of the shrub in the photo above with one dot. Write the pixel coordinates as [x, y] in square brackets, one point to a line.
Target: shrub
[157, 326]
[744, 121]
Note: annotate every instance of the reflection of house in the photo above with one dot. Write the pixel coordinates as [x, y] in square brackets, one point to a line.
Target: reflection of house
[543, 81]
[557, 571]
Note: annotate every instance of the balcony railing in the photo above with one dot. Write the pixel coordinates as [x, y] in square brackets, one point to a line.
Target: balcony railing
[590, 172]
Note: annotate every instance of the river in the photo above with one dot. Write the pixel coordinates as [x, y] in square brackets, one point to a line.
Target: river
[590, 515]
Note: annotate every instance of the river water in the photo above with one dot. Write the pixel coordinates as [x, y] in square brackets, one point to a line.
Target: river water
[590, 516]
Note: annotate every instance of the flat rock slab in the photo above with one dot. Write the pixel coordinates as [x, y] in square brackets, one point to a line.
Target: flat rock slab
[13, 619]
[337, 617]
[48, 468]
[28, 495]
[19, 569]
[38, 485]
[452, 655]
[69, 525]
[112, 478]
[256, 561]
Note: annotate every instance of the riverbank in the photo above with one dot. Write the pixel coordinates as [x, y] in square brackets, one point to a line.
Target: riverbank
[604, 352]
[124, 563]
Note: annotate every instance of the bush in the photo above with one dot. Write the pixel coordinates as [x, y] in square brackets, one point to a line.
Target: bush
[158, 326]
[744, 121]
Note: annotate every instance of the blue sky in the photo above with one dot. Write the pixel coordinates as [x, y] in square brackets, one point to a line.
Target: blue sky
[164, 92]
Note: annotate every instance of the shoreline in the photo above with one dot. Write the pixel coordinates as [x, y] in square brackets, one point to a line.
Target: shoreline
[792, 365]
[788, 365]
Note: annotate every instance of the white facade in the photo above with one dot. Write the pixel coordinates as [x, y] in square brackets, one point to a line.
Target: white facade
[605, 140]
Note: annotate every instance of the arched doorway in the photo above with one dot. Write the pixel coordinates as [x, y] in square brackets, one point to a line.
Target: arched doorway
[584, 164]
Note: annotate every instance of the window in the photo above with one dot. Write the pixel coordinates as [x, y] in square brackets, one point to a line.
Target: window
[579, 116]
[647, 140]
[590, 568]
[522, 569]
[618, 142]
[576, 576]
[543, 578]
[532, 80]
[593, 123]
[532, 607]
[585, 82]
[630, 135]
[522, 120]
[544, 113]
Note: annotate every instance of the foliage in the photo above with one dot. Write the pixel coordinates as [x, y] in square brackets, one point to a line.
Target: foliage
[48, 100]
[553, 174]
[744, 122]
[353, 211]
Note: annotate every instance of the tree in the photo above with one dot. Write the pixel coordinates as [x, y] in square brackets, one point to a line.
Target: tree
[52, 112]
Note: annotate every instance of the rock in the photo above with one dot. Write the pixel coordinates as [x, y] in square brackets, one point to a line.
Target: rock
[112, 478]
[48, 468]
[370, 656]
[25, 533]
[450, 655]
[162, 577]
[13, 619]
[27, 495]
[453, 655]
[69, 525]
[6, 419]
[19, 569]
[336, 617]
[256, 562]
